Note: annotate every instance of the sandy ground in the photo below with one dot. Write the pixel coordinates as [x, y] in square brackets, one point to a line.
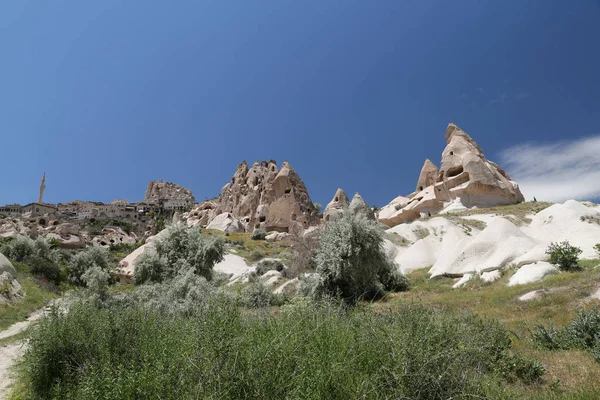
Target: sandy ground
[10, 353]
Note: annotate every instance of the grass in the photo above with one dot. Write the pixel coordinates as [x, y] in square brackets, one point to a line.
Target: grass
[575, 370]
[36, 296]
[397, 239]
[251, 250]
[305, 350]
[516, 212]
[467, 224]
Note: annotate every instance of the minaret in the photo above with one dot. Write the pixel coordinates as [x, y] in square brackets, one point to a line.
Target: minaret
[42, 187]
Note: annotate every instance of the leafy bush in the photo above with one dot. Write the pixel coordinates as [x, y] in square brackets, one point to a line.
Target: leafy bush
[41, 257]
[259, 234]
[80, 263]
[352, 263]
[597, 248]
[257, 295]
[224, 352]
[563, 255]
[181, 249]
[269, 264]
[582, 333]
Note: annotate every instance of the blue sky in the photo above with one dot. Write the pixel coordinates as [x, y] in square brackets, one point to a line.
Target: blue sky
[104, 96]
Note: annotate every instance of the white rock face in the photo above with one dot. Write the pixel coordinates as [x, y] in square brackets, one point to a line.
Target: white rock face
[462, 281]
[233, 265]
[226, 223]
[491, 276]
[536, 294]
[493, 248]
[454, 250]
[532, 273]
[127, 265]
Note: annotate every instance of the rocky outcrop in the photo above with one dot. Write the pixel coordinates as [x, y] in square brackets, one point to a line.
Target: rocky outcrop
[465, 174]
[226, 223]
[358, 205]
[159, 191]
[336, 206]
[10, 289]
[428, 175]
[262, 196]
[113, 235]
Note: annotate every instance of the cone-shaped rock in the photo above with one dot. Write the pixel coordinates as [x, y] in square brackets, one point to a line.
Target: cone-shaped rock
[336, 206]
[465, 174]
[428, 175]
[358, 205]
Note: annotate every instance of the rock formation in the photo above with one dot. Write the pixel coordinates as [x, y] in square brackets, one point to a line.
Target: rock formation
[8, 281]
[358, 205]
[340, 205]
[336, 206]
[428, 175]
[464, 174]
[158, 191]
[261, 197]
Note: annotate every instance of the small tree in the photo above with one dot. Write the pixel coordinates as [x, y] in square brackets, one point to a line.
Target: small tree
[92, 257]
[563, 255]
[597, 248]
[318, 207]
[351, 262]
[180, 250]
[259, 234]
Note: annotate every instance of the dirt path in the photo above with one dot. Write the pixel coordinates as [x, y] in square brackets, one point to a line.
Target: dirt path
[10, 353]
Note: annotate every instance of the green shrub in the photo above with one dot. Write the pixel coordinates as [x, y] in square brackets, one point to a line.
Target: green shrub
[352, 263]
[80, 263]
[563, 255]
[316, 351]
[259, 234]
[39, 254]
[597, 248]
[257, 295]
[582, 333]
[181, 249]
[269, 264]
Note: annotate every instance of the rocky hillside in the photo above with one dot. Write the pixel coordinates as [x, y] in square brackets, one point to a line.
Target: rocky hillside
[159, 191]
[262, 196]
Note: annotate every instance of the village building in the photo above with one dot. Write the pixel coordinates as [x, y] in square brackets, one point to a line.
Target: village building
[37, 209]
[11, 209]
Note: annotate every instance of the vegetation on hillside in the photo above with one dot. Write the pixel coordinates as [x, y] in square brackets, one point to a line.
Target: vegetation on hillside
[308, 350]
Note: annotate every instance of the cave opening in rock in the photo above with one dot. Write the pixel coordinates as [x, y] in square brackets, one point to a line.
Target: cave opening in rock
[420, 187]
[288, 190]
[454, 171]
[262, 218]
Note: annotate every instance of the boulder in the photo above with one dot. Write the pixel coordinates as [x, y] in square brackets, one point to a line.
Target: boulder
[6, 266]
[359, 206]
[11, 289]
[227, 223]
[464, 173]
[336, 206]
[262, 197]
[532, 273]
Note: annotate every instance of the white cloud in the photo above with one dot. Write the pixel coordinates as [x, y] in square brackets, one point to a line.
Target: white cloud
[557, 171]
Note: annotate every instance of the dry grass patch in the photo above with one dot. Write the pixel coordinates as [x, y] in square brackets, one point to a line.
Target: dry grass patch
[252, 250]
[568, 371]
